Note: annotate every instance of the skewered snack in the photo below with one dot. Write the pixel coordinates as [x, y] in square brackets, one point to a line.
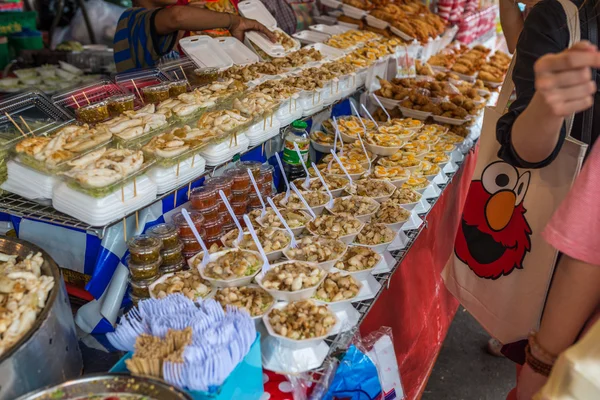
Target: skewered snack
[405, 196]
[189, 283]
[358, 258]
[334, 226]
[255, 300]
[337, 287]
[24, 291]
[354, 206]
[271, 239]
[302, 320]
[391, 213]
[233, 264]
[373, 234]
[104, 167]
[292, 276]
[316, 249]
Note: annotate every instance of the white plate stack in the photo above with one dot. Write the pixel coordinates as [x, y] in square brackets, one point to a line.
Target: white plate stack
[169, 178]
[289, 111]
[27, 182]
[218, 153]
[263, 130]
[101, 211]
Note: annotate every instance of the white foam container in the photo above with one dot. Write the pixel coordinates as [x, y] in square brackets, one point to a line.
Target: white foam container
[297, 231]
[164, 277]
[376, 22]
[332, 4]
[221, 283]
[309, 37]
[382, 150]
[365, 217]
[389, 104]
[348, 25]
[328, 52]
[328, 29]
[271, 256]
[239, 54]
[322, 148]
[400, 34]
[27, 182]
[325, 265]
[282, 295]
[449, 121]
[416, 114]
[101, 211]
[205, 52]
[347, 239]
[359, 275]
[218, 153]
[283, 358]
[340, 304]
[377, 248]
[309, 100]
[166, 179]
[353, 12]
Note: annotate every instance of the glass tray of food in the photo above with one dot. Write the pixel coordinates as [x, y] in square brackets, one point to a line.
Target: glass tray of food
[105, 170]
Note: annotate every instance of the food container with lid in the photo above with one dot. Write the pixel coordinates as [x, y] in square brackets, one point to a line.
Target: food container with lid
[184, 229]
[204, 76]
[213, 227]
[190, 245]
[178, 87]
[224, 183]
[144, 249]
[167, 269]
[118, 104]
[206, 52]
[210, 240]
[190, 254]
[140, 288]
[253, 166]
[167, 233]
[156, 93]
[143, 271]
[92, 113]
[254, 200]
[241, 179]
[239, 208]
[229, 227]
[226, 219]
[204, 198]
[172, 256]
[210, 214]
[240, 195]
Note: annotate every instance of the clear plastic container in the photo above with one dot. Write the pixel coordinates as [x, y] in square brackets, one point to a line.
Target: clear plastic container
[241, 179]
[178, 87]
[266, 172]
[167, 233]
[210, 214]
[117, 105]
[140, 289]
[253, 166]
[144, 249]
[143, 271]
[172, 256]
[204, 198]
[254, 200]
[240, 207]
[213, 228]
[92, 113]
[224, 183]
[204, 76]
[229, 227]
[213, 240]
[156, 93]
[266, 189]
[227, 220]
[190, 245]
[167, 269]
[240, 195]
[184, 229]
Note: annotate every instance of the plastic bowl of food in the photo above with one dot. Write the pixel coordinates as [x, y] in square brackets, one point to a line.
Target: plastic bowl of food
[360, 207]
[316, 199]
[418, 184]
[338, 288]
[394, 216]
[291, 280]
[407, 198]
[377, 237]
[224, 280]
[336, 184]
[329, 323]
[261, 302]
[356, 259]
[379, 190]
[314, 248]
[338, 227]
[176, 282]
[263, 236]
[292, 217]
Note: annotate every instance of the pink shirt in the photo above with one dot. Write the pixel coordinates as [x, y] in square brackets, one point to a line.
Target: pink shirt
[575, 227]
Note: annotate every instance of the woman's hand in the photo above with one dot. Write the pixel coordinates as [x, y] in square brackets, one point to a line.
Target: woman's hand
[563, 81]
[529, 383]
[239, 26]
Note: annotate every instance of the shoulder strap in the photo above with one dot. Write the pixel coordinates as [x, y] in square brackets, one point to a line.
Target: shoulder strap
[572, 13]
[592, 29]
[507, 87]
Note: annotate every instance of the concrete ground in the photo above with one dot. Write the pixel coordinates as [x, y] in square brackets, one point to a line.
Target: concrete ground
[464, 370]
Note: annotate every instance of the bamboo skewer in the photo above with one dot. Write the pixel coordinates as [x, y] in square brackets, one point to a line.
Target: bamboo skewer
[189, 193]
[122, 194]
[134, 187]
[137, 221]
[138, 91]
[125, 228]
[15, 124]
[86, 98]
[75, 100]
[175, 199]
[26, 125]
[177, 173]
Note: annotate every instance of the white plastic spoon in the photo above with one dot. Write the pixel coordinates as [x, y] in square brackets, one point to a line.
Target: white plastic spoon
[359, 138]
[369, 115]
[339, 135]
[240, 235]
[303, 200]
[266, 266]
[188, 219]
[293, 242]
[257, 190]
[287, 184]
[306, 184]
[324, 185]
[335, 157]
[382, 107]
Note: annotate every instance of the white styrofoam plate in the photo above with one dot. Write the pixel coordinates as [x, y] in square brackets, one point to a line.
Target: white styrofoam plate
[240, 54]
[205, 52]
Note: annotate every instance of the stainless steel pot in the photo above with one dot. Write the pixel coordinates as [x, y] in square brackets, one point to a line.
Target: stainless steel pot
[48, 354]
[107, 384]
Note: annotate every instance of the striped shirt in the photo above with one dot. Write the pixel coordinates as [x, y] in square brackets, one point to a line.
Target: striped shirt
[136, 43]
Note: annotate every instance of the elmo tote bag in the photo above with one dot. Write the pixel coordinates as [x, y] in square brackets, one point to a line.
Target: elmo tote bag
[501, 267]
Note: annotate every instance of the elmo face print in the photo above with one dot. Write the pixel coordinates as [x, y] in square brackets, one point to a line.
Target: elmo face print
[494, 235]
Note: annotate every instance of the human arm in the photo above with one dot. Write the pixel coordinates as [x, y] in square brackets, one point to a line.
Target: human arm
[511, 20]
[185, 18]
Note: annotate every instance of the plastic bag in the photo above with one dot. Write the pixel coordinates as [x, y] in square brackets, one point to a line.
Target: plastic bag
[103, 16]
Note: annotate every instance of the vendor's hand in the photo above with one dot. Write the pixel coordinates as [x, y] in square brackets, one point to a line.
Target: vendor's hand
[529, 383]
[240, 25]
[563, 81]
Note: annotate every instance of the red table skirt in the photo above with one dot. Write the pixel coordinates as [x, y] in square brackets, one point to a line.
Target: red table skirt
[417, 305]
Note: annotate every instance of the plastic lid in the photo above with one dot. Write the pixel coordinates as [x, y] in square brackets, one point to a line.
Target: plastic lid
[156, 88]
[163, 231]
[143, 284]
[254, 9]
[203, 192]
[120, 98]
[299, 124]
[144, 244]
[196, 217]
[219, 182]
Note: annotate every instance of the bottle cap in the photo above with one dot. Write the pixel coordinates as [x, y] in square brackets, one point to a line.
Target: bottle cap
[298, 124]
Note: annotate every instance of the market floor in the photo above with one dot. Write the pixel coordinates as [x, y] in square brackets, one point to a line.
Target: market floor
[464, 371]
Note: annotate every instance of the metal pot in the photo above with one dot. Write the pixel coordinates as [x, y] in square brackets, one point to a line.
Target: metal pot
[48, 354]
[107, 384]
